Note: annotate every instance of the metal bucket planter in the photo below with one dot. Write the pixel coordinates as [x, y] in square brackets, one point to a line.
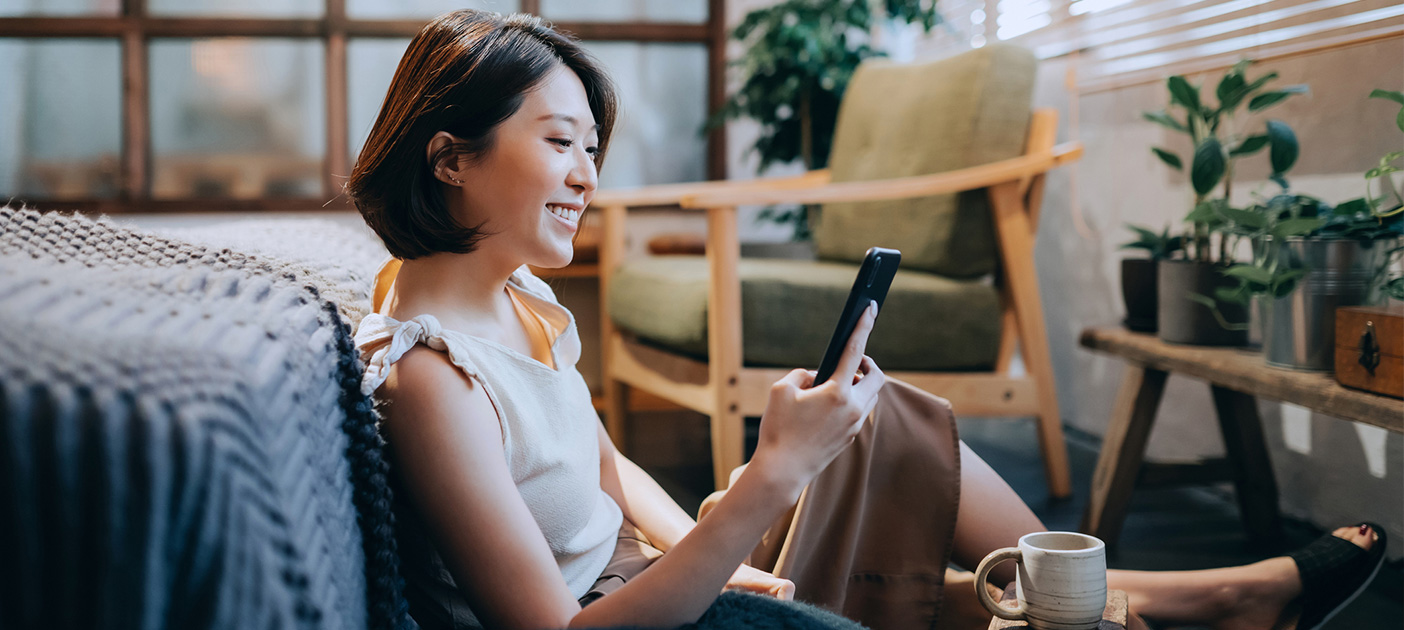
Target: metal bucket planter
[1299, 330]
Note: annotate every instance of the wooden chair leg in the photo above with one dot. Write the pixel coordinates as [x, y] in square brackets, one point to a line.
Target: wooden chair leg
[728, 446]
[724, 337]
[1248, 455]
[1123, 448]
[616, 395]
[1016, 243]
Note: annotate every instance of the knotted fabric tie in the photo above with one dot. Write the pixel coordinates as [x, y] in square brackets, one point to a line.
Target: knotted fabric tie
[387, 340]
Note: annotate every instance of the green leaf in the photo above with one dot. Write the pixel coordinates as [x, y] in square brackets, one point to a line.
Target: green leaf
[1249, 273]
[1352, 207]
[1259, 82]
[1164, 119]
[1169, 158]
[1250, 145]
[1284, 146]
[1284, 282]
[1204, 212]
[1185, 94]
[1266, 100]
[1380, 171]
[1399, 120]
[1297, 227]
[1202, 299]
[1245, 218]
[1238, 294]
[1230, 90]
[1208, 166]
[1397, 97]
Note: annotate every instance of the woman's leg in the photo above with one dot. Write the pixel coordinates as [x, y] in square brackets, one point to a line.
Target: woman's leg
[991, 516]
[1253, 596]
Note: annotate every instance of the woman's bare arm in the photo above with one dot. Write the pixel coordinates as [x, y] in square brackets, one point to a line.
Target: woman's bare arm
[447, 446]
[643, 501]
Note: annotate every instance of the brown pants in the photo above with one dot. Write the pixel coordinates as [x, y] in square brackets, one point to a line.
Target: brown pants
[871, 536]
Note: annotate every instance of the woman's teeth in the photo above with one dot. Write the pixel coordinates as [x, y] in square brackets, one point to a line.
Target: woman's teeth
[564, 213]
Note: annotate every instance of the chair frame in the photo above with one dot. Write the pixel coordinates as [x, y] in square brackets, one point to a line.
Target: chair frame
[727, 391]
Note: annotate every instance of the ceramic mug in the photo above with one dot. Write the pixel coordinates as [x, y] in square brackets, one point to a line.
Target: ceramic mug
[1062, 581]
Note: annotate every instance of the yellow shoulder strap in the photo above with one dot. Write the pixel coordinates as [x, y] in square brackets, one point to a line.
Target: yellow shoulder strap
[384, 280]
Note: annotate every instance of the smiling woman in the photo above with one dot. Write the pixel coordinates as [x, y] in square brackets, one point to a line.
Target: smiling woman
[463, 76]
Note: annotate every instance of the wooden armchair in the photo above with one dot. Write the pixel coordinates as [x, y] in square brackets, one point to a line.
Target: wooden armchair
[723, 386]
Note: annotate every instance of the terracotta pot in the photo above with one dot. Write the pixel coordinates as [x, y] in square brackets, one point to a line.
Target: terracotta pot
[1138, 291]
[1183, 320]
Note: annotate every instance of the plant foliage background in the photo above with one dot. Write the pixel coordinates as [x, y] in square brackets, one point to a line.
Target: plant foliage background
[800, 55]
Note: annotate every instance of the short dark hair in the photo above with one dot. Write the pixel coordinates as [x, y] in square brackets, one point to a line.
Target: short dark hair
[464, 73]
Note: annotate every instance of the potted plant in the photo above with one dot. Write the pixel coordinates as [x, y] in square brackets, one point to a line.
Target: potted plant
[1187, 312]
[799, 56]
[1138, 275]
[1310, 258]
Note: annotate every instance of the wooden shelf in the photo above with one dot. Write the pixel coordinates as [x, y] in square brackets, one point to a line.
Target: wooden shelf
[1244, 370]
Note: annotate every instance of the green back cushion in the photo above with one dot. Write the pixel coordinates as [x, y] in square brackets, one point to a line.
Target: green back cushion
[899, 120]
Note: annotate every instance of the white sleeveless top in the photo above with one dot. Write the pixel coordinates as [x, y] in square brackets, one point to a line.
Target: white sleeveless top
[549, 436]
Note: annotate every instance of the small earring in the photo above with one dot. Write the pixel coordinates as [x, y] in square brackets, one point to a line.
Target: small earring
[455, 180]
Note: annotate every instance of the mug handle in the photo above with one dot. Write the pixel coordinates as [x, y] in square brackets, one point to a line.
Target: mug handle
[982, 574]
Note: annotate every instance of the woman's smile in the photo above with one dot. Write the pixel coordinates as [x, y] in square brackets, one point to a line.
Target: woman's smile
[566, 214]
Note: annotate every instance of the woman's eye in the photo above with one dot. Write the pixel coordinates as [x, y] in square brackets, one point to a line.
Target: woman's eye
[567, 143]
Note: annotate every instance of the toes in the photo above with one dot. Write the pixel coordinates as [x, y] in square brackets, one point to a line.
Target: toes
[1363, 536]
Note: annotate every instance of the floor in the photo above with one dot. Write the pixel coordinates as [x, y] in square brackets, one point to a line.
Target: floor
[1168, 529]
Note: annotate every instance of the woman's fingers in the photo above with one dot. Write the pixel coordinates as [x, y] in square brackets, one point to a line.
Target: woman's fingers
[866, 391]
[852, 355]
[798, 378]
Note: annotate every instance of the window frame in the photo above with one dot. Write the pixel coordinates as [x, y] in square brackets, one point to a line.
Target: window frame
[134, 28]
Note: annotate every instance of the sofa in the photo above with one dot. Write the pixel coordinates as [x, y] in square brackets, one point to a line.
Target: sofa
[183, 439]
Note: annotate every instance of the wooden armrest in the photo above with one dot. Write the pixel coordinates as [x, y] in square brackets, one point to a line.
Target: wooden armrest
[972, 178]
[670, 194]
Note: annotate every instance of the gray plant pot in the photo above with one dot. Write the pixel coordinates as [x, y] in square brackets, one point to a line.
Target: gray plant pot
[1139, 292]
[1183, 320]
[1299, 330]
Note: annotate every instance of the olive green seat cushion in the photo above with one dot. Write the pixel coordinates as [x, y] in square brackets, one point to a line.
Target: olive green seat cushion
[789, 309]
[901, 120]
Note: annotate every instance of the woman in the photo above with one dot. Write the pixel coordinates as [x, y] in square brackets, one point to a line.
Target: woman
[520, 512]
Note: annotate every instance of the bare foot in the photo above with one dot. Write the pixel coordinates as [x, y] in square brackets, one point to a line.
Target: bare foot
[1267, 595]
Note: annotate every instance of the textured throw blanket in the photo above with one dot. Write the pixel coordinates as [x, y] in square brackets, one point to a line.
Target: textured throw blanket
[183, 442]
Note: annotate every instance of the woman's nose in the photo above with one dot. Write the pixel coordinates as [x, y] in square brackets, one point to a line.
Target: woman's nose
[583, 176]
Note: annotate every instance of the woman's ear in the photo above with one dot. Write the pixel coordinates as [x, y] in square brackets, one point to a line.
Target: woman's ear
[447, 169]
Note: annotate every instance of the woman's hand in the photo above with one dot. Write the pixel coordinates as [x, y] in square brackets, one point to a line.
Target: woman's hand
[805, 427]
[750, 579]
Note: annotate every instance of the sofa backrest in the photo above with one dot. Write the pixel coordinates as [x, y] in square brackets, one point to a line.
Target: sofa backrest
[187, 442]
[899, 120]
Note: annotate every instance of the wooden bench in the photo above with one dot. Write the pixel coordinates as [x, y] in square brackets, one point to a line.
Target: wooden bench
[1236, 376]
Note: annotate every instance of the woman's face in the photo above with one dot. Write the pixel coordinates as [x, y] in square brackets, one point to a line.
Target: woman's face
[532, 185]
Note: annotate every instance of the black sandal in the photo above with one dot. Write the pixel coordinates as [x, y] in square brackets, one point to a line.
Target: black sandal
[1334, 571]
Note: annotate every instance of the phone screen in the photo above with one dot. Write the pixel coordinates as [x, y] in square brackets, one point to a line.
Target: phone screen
[871, 284]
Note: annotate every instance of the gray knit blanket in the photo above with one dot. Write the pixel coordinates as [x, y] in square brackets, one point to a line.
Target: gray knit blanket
[183, 441]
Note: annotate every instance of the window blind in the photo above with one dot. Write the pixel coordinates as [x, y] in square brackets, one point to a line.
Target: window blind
[1124, 42]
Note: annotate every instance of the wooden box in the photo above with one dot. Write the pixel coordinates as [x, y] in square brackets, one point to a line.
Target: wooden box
[1370, 349]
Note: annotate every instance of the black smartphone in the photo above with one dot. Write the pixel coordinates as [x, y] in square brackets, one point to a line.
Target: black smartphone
[874, 278]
